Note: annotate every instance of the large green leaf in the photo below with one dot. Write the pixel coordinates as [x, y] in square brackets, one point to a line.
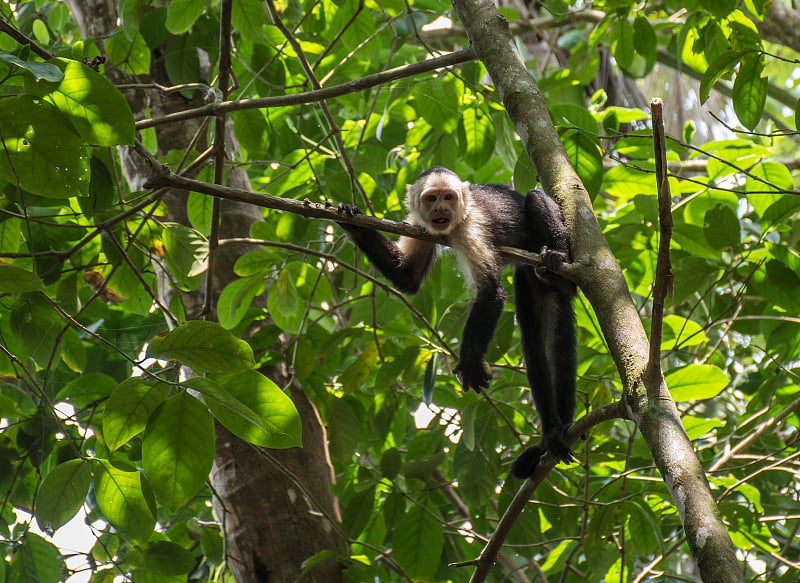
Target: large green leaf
[35, 561]
[178, 449]
[17, 280]
[62, 493]
[162, 557]
[284, 303]
[182, 14]
[41, 150]
[750, 91]
[204, 347]
[418, 541]
[480, 136]
[253, 408]
[695, 382]
[132, 55]
[96, 108]
[235, 300]
[125, 499]
[186, 253]
[129, 408]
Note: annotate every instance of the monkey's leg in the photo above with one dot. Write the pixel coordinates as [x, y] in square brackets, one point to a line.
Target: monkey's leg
[538, 314]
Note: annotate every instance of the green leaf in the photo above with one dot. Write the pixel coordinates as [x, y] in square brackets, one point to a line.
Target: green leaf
[40, 71]
[130, 12]
[37, 327]
[182, 62]
[722, 65]
[750, 91]
[284, 303]
[204, 347]
[429, 380]
[797, 115]
[645, 41]
[178, 449]
[182, 14]
[87, 389]
[622, 45]
[719, 8]
[35, 561]
[129, 408]
[251, 130]
[358, 511]
[480, 136]
[344, 427]
[97, 108]
[41, 149]
[236, 298]
[62, 493]
[418, 542]
[253, 408]
[721, 227]
[695, 382]
[680, 332]
[357, 373]
[162, 557]
[438, 104]
[16, 280]
[248, 17]
[125, 499]
[130, 55]
[586, 157]
[186, 253]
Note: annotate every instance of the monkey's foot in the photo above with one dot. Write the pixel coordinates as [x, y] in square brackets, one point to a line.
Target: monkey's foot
[553, 258]
[473, 374]
[525, 465]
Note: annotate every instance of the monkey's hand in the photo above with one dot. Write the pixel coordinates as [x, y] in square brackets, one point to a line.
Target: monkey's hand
[473, 374]
[349, 209]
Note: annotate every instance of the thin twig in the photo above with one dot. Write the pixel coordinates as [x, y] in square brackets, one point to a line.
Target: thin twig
[663, 279]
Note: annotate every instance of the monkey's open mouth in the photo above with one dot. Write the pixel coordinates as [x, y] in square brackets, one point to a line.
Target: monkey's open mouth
[441, 221]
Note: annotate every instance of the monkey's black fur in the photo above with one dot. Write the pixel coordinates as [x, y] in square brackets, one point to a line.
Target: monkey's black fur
[501, 216]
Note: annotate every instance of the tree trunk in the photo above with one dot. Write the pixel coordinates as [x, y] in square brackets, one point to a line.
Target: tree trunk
[276, 507]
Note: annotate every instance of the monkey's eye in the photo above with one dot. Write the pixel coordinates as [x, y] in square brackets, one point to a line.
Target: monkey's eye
[448, 197]
[431, 198]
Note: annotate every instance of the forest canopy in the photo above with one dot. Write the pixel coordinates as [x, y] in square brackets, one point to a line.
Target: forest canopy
[203, 376]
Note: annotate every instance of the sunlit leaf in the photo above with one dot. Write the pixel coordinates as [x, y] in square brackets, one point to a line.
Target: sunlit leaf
[204, 347]
[42, 151]
[252, 407]
[178, 449]
[125, 499]
[62, 493]
[695, 382]
[35, 561]
[128, 409]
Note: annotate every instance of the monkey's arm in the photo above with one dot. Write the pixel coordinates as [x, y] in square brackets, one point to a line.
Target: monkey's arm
[405, 263]
[472, 370]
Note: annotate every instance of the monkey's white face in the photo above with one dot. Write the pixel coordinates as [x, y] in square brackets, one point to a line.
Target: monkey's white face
[438, 200]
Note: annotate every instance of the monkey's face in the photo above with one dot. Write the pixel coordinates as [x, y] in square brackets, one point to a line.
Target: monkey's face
[438, 201]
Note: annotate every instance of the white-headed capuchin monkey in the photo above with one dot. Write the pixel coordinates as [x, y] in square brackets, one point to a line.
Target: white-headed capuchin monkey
[476, 219]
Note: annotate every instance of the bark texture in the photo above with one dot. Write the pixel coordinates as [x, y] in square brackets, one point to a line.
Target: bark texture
[646, 397]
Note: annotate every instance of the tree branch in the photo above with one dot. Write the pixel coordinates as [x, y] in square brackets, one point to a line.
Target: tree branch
[164, 178]
[581, 427]
[663, 280]
[315, 95]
